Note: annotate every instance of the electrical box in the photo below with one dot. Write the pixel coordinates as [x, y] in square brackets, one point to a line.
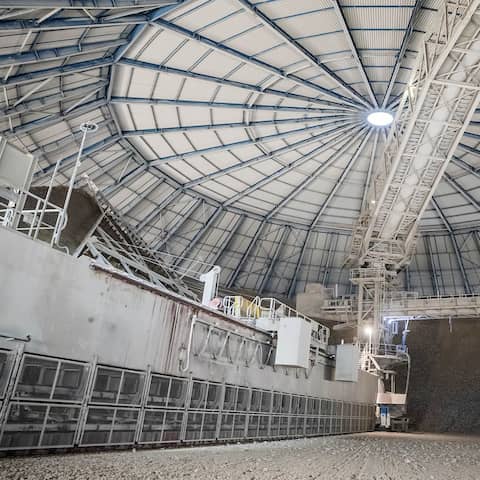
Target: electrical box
[16, 167]
[347, 362]
[293, 342]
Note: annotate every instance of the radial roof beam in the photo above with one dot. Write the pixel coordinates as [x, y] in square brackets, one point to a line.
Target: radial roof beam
[152, 217]
[127, 12]
[475, 136]
[54, 118]
[124, 179]
[273, 261]
[232, 83]
[106, 169]
[24, 25]
[139, 29]
[353, 48]
[235, 167]
[141, 197]
[368, 178]
[401, 53]
[223, 126]
[306, 55]
[31, 91]
[287, 168]
[340, 180]
[239, 144]
[467, 196]
[53, 72]
[39, 103]
[17, 12]
[274, 154]
[346, 142]
[245, 255]
[476, 239]
[303, 249]
[431, 264]
[251, 60]
[225, 242]
[83, 4]
[58, 147]
[34, 56]
[465, 166]
[91, 149]
[178, 224]
[469, 149]
[231, 106]
[196, 238]
[332, 244]
[466, 283]
[81, 100]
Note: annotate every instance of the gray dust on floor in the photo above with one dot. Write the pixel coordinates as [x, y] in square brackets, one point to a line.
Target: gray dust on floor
[374, 456]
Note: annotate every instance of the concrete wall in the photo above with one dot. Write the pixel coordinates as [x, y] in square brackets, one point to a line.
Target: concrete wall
[444, 393]
[74, 312]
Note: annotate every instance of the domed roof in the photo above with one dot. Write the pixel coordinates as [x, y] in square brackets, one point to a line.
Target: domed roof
[235, 132]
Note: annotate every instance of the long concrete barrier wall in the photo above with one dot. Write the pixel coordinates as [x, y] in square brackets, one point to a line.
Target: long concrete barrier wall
[110, 362]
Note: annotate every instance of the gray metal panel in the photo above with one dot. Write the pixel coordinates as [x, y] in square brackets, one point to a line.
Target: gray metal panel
[347, 361]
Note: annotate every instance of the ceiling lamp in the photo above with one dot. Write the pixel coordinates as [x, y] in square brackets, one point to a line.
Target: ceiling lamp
[380, 118]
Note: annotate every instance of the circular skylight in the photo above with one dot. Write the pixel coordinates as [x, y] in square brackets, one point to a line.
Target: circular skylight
[380, 118]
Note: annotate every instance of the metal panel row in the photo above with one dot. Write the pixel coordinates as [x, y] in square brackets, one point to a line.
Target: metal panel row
[57, 403]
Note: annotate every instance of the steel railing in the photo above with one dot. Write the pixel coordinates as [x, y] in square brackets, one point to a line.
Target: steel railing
[273, 309]
[31, 215]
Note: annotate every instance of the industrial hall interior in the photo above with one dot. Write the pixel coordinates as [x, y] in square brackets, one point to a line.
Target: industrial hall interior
[240, 239]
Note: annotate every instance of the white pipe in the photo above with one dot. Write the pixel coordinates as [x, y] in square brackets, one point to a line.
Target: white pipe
[85, 128]
[407, 383]
[189, 346]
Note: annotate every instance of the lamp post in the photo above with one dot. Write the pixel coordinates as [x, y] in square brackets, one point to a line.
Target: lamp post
[87, 127]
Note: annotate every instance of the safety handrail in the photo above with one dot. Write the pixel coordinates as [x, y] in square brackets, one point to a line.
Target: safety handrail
[269, 307]
[253, 309]
[40, 215]
[272, 308]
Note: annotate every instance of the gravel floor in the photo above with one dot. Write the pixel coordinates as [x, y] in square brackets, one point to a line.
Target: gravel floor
[375, 456]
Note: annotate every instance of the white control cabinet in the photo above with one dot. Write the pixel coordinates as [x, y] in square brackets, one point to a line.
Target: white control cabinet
[347, 363]
[293, 342]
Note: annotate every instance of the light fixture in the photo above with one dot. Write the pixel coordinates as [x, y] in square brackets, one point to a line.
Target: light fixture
[380, 118]
[368, 330]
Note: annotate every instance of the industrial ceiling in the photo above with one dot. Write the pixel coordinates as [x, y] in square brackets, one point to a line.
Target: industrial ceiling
[234, 132]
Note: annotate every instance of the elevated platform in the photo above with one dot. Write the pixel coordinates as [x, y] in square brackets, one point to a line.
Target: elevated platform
[343, 309]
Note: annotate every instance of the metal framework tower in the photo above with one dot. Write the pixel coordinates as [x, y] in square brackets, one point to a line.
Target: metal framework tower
[432, 116]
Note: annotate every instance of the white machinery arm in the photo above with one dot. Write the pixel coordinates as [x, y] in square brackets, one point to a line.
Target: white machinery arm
[433, 114]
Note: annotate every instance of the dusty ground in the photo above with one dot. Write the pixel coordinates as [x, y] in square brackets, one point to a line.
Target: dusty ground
[356, 457]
